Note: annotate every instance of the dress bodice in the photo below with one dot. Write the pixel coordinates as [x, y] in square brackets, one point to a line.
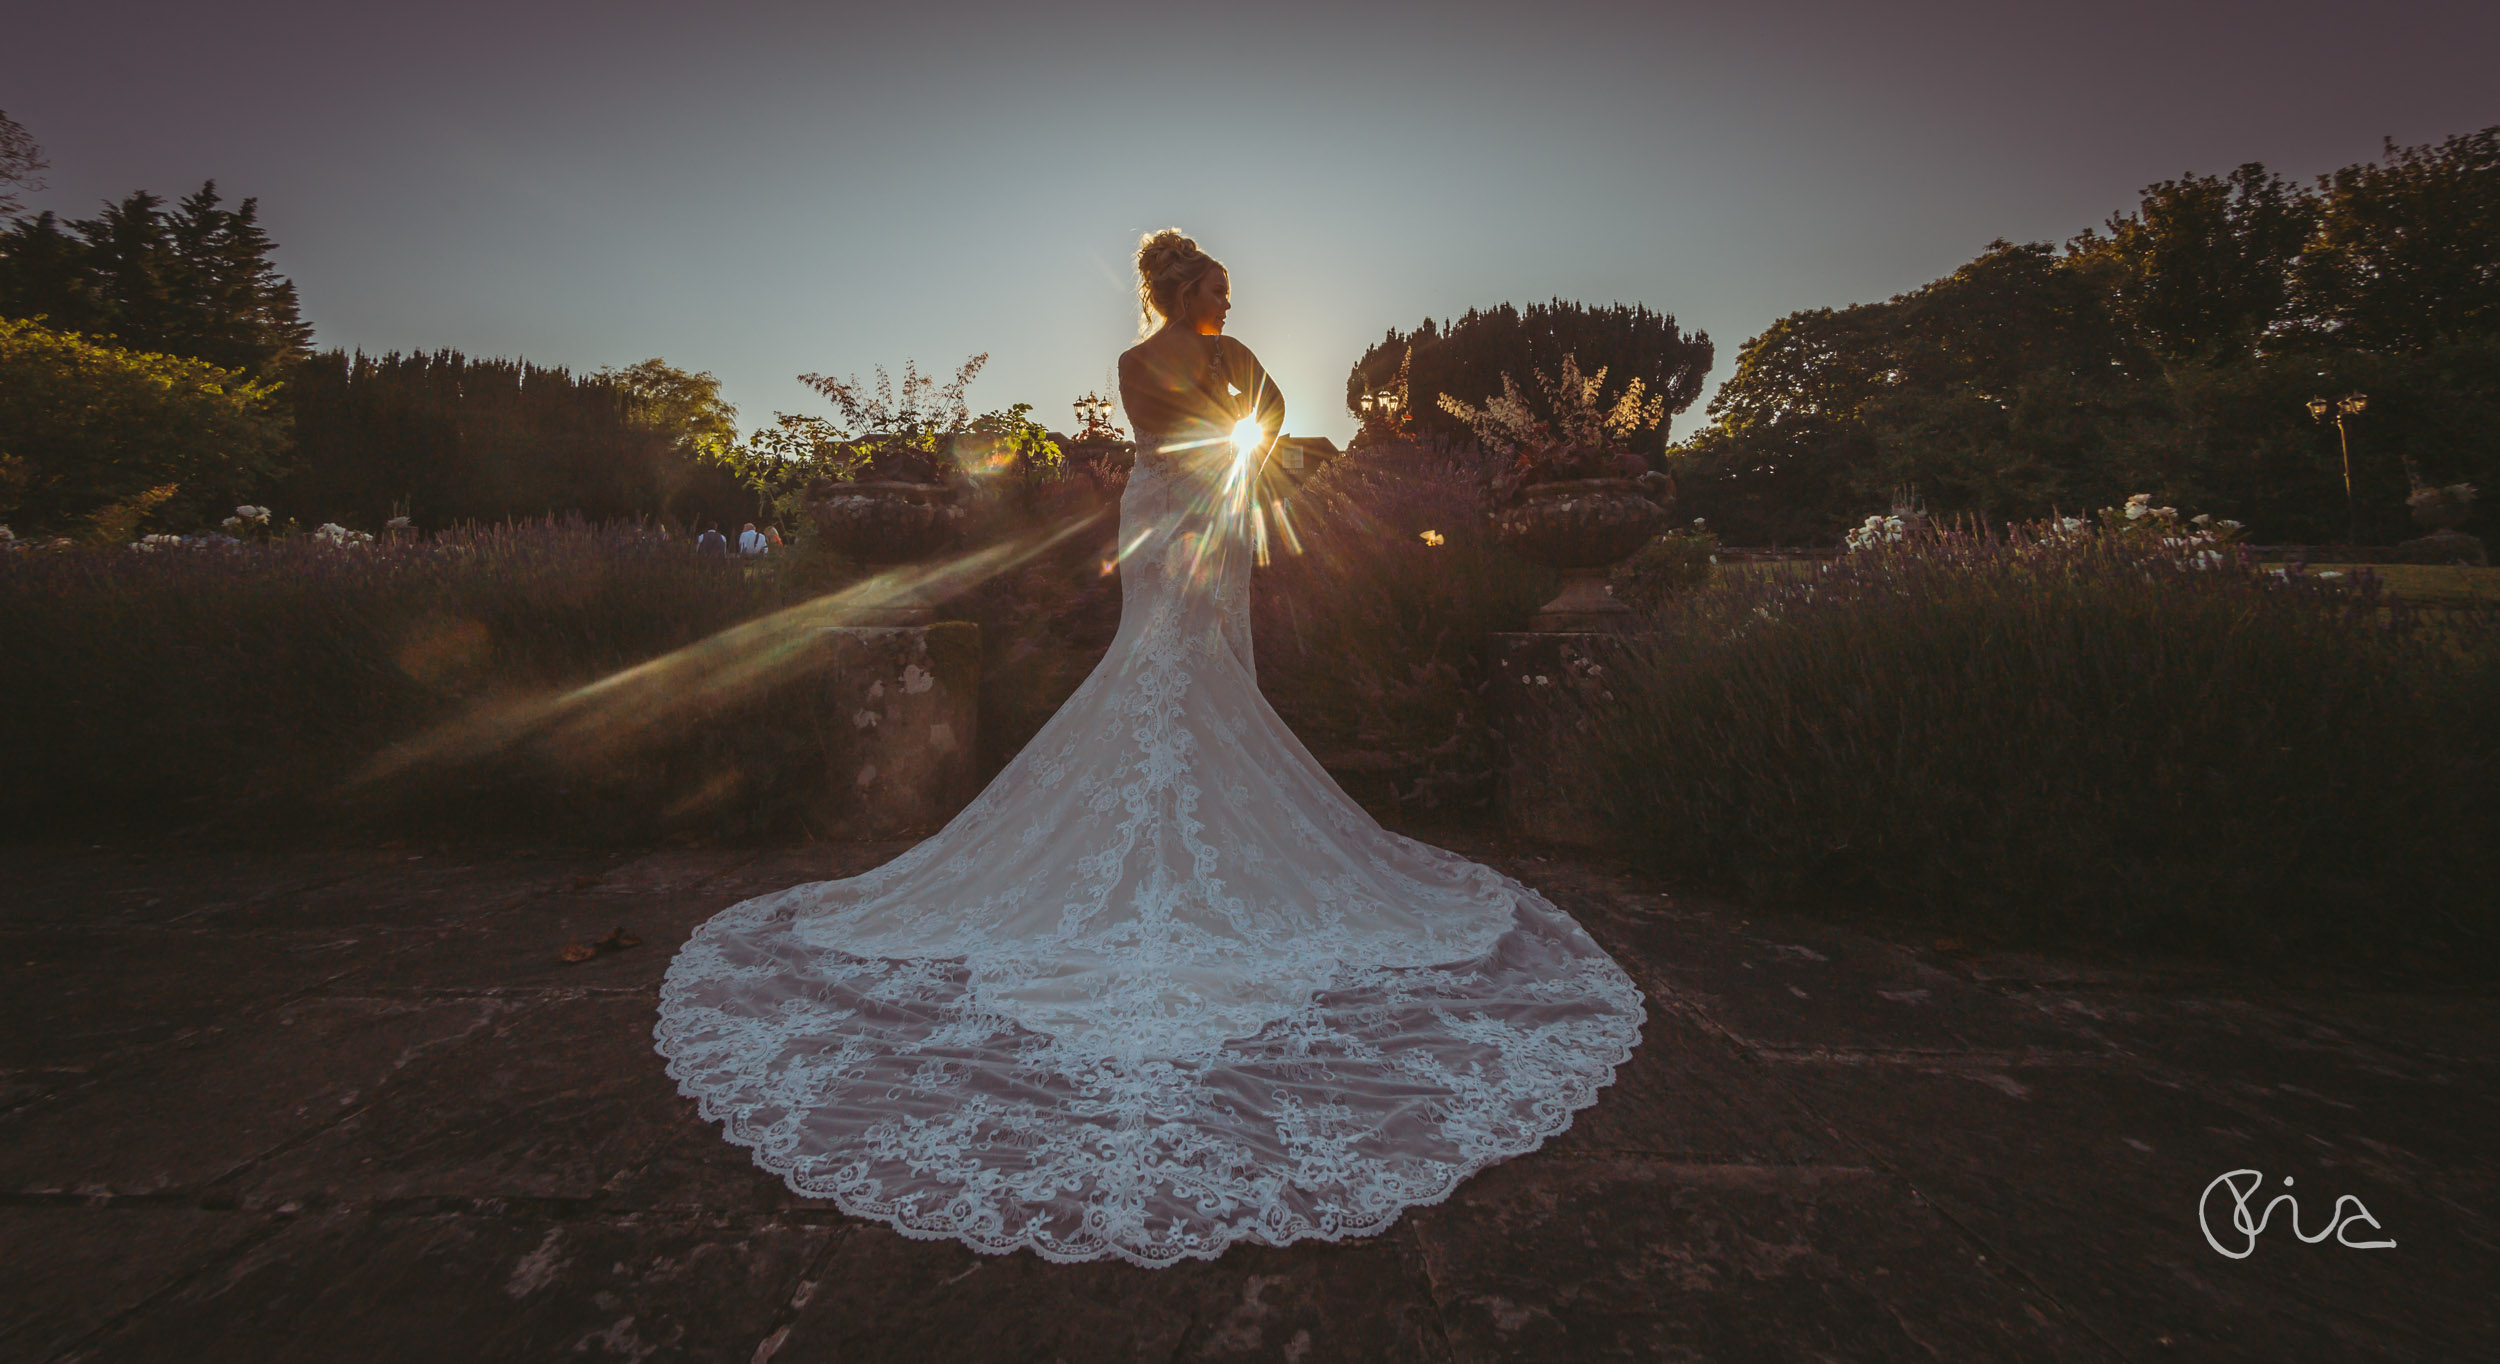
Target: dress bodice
[1191, 390]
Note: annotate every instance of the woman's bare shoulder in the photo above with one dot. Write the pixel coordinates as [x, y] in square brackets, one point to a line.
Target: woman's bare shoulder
[1237, 354]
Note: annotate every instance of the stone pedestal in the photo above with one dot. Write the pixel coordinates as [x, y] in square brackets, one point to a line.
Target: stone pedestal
[1583, 527]
[1542, 684]
[1584, 606]
[907, 698]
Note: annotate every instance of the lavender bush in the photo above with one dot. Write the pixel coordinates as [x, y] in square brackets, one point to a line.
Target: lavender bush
[213, 679]
[2067, 735]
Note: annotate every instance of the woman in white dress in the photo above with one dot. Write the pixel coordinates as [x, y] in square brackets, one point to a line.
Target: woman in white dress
[1162, 986]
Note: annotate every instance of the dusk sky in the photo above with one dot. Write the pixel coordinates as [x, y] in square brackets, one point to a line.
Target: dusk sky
[763, 189]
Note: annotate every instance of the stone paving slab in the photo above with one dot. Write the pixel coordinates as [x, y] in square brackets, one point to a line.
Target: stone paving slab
[429, 1287]
[73, 1271]
[551, 1100]
[883, 1297]
[2085, 1179]
[1689, 1097]
[1640, 1259]
[351, 1104]
[192, 1117]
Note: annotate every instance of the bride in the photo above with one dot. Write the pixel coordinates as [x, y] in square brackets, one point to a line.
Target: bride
[1162, 986]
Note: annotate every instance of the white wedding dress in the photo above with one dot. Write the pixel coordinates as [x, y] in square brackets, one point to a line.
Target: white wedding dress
[1162, 986]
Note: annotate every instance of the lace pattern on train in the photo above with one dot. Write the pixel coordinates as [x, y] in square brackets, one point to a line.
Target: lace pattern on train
[1160, 987]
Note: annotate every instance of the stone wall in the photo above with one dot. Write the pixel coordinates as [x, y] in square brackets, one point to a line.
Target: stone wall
[911, 697]
[839, 732]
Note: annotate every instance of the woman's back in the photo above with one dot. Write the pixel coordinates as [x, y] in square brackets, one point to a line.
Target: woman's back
[1179, 386]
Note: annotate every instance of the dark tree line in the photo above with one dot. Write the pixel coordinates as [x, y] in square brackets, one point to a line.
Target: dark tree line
[450, 439]
[350, 438]
[1467, 358]
[2171, 351]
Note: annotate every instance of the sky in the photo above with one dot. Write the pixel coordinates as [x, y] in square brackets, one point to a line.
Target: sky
[761, 190]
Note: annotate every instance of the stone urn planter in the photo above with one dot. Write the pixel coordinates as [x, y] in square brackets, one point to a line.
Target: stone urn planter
[2441, 511]
[1583, 527]
[2438, 509]
[890, 522]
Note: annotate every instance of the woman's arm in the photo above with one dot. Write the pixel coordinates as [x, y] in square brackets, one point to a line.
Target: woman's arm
[1132, 393]
[1260, 396]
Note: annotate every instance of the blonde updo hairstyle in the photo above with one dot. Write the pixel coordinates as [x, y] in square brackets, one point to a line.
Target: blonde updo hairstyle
[1169, 265]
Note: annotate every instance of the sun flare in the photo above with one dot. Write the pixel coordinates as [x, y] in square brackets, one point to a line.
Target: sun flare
[1248, 435]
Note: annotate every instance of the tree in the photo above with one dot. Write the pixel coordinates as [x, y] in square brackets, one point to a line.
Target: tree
[2407, 253]
[2172, 353]
[195, 281]
[688, 410]
[1467, 359]
[2202, 270]
[687, 407]
[85, 426]
[20, 163]
[458, 439]
[1962, 388]
[1818, 365]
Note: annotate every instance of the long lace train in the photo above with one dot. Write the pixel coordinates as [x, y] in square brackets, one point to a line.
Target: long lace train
[1162, 986]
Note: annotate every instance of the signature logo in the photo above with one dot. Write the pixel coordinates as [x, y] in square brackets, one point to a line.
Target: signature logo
[2338, 1222]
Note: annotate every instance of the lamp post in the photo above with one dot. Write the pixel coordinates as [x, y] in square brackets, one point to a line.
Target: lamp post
[2350, 405]
[1380, 406]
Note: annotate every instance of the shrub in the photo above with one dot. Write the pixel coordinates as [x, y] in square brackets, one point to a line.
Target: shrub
[1675, 562]
[93, 433]
[211, 680]
[1370, 619]
[2088, 739]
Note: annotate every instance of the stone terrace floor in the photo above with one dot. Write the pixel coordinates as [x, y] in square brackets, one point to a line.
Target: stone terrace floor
[350, 1105]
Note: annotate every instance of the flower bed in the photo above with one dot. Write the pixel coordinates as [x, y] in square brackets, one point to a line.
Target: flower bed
[208, 681]
[2077, 736]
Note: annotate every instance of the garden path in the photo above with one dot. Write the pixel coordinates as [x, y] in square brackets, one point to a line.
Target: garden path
[351, 1105]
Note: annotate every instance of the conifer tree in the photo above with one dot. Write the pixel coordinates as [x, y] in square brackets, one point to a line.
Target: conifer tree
[195, 281]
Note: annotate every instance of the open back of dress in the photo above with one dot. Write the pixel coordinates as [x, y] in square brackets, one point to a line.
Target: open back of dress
[1162, 986]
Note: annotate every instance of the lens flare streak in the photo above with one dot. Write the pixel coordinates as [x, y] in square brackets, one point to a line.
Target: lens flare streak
[1112, 564]
[1284, 527]
[589, 723]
